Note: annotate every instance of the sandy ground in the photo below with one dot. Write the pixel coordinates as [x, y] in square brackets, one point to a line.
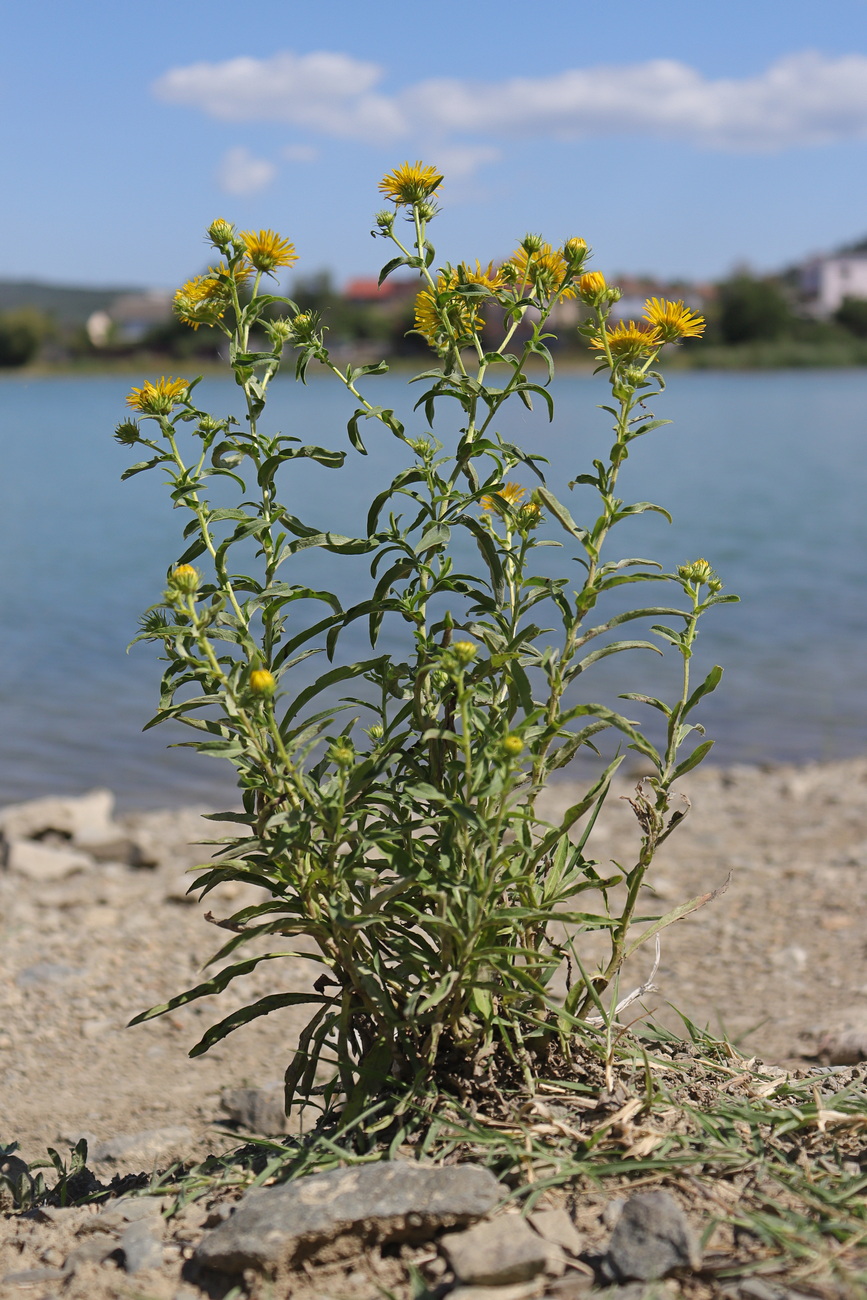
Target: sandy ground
[777, 962]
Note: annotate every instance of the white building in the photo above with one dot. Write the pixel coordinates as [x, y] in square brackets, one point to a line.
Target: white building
[826, 281]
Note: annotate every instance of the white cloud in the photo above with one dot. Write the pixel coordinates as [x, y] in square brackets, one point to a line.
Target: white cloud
[300, 153]
[325, 91]
[804, 98]
[458, 161]
[240, 172]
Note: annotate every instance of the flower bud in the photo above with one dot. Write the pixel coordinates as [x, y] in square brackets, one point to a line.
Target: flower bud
[465, 651]
[279, 330]
[699, 571]
[591, 285]
[575, 249]
[220, 233]
[342, 755]
[127, 433]
[262, 683]
[513, 744]
[185, 579]
[532, 243]
[385, 221]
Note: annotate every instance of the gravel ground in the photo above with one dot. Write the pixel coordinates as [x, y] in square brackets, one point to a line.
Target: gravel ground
[96, 926]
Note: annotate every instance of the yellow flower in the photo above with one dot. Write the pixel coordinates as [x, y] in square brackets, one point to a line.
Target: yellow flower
[590, 285]
[185, 578]
[267, 250]
[701, 572]
[465, 651]
[513, 744]
[220, 232]
[575, 248]
[456, 319]
[411, 183]
[672, 320]
[543, 269]
[529, 515]
[158, 398]
[510, 493]
[262, 682]
[204, 299]
[629, 340]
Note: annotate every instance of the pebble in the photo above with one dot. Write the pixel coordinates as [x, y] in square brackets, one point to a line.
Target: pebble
[258, 1110]
[652, 1238]
[496, 1253]
[45, 862]
[141, 1247]
[146, 1145]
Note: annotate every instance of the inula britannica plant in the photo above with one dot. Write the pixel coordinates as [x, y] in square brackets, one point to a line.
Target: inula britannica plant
[389, 805]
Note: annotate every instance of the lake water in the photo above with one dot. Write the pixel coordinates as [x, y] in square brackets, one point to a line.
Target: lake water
[765, 475]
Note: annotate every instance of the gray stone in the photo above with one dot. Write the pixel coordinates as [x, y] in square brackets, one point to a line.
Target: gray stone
[127, 1209]
[147, 1145]
[258, 1110]
[331, 1215]
[45, 862]
[141, 1247]
[86, 818]
[557, 1227]
[33, 1276]
[94, 1251]
[652, 1239]
[497, 1253]
[518, 1291]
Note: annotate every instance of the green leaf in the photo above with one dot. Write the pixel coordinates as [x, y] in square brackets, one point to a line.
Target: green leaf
[710, 683]
[700, 752]
[561, 514]
[243, 1016]
[214, 985]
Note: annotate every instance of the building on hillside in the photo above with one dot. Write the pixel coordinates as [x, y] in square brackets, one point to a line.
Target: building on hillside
[367, 289]
[130, 317]
[826, 281]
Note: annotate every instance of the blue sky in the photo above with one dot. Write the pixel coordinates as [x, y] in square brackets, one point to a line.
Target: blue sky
[678, 137]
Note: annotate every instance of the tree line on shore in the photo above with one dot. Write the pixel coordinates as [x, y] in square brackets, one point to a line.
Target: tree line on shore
[751, 320]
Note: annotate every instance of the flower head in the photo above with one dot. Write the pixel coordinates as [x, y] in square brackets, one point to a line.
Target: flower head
[204, 299]
[513, 744]
[159, 398]
[262, 682]
[628, 340]
[591, 284]
[342, 755]
[185, 579]
[529, 515]
[510, 494]
[448, 317]
[410, 183]
[672, 320]
[538, 267]
[465, 651]
[220, 232]
[267, 250]
[575, 248]
[701, 572]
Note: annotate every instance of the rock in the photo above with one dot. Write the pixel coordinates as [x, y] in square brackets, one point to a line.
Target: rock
[145, 1146]
[497, 1253]
[557, 1227]
[258, 1110]
[95, 1251]
[45, 862]
[141, 1247]
[127, 1209]
[84, 819]
[519, 1291]
[16, 1183]
[652, 1238]
[331, 1215]
[845, 1041]
[33, 1276]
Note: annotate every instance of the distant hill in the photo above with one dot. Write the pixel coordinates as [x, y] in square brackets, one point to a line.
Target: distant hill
[66, 304]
